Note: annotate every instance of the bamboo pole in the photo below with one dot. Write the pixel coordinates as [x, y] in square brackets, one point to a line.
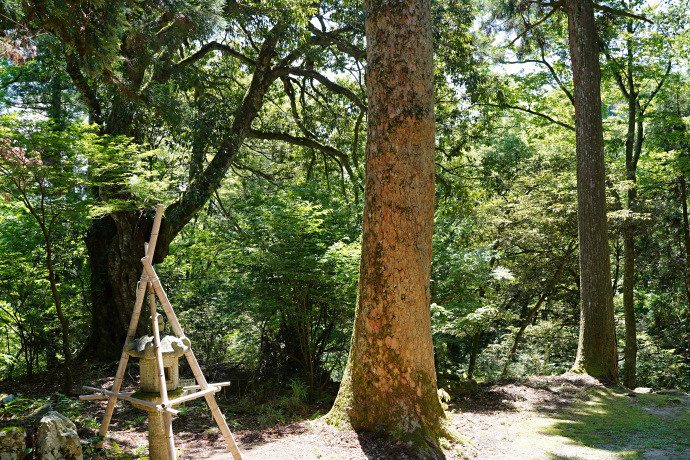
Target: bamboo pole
[134, 321]
[191, 359]
[134, 400]
[122, 367]
[197, 387]
[153, 239]
[189, 397]
[167, 418]
[101, 396]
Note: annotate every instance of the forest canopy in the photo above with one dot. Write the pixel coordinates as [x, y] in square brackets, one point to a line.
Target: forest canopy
[248, 122]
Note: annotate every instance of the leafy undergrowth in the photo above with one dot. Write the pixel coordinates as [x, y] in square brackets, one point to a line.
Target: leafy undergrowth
[565, 417]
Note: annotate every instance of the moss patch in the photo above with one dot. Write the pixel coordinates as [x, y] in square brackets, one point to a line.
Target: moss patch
[10, 428]
[611, 419]
[154, 397]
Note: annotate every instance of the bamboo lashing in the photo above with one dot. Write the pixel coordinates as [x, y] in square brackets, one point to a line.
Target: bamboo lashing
[122, 367]
[191, 359]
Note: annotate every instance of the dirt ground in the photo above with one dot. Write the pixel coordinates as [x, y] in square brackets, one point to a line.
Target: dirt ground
[565, 417]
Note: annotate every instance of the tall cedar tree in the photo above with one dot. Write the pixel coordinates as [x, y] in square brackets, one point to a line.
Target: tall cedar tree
[389, 383]
[597, 354]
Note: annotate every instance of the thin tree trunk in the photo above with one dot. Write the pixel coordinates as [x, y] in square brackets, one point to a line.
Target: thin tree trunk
[630, 350]
[389, 384]
[535, 309]
[597, 352]
[686, 233]
[473, 354]
[64, 322]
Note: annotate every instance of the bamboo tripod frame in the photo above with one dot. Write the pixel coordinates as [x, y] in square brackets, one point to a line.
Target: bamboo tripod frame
[150, 279]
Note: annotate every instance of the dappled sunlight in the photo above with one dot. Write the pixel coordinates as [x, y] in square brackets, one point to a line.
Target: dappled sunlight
[617, 421]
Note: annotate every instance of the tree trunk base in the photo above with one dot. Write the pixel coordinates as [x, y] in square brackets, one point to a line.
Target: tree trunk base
[423, 441]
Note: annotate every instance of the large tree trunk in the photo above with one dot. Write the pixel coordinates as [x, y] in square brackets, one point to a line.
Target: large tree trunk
[115, 246]
[389, 383]
[597, 352]
[115, 243]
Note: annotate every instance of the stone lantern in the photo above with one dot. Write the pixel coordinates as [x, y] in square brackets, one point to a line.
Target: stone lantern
[159, 367]
[172, 348]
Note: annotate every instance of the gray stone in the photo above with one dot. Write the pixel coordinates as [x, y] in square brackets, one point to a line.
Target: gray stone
[12, 443]
[58, 438]
[9, 398]
[643, 390]
[40, 412]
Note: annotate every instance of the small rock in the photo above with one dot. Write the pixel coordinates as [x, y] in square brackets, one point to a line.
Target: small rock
[12, 443]
[643, 390]
[40, 412]
[9, 398]
[58, 439]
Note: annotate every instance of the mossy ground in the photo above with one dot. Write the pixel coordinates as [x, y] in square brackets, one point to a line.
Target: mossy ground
[609, 419]
[573, 417]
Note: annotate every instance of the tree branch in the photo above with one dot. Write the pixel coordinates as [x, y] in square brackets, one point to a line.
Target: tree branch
[617, 74]
[531, 112]
[328, 38]
[334, 87]
[14, 80]
[88, 93]
[619, 12]
[290, 91]
[555, 7]
[204, 185]
[336, 154]
[213, 46]
[658, 87]
[301, 141]
[555, 76]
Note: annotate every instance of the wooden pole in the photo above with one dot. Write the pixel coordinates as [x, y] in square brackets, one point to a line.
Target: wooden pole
[94, 397]
[191, 359]
[189, 397]
[134, 400]
[197, 387]
[167, 418]
[122, 367]
[153, 239]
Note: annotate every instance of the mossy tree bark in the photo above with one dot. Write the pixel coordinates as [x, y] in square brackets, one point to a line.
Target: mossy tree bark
[597, 352]
[389, 385]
